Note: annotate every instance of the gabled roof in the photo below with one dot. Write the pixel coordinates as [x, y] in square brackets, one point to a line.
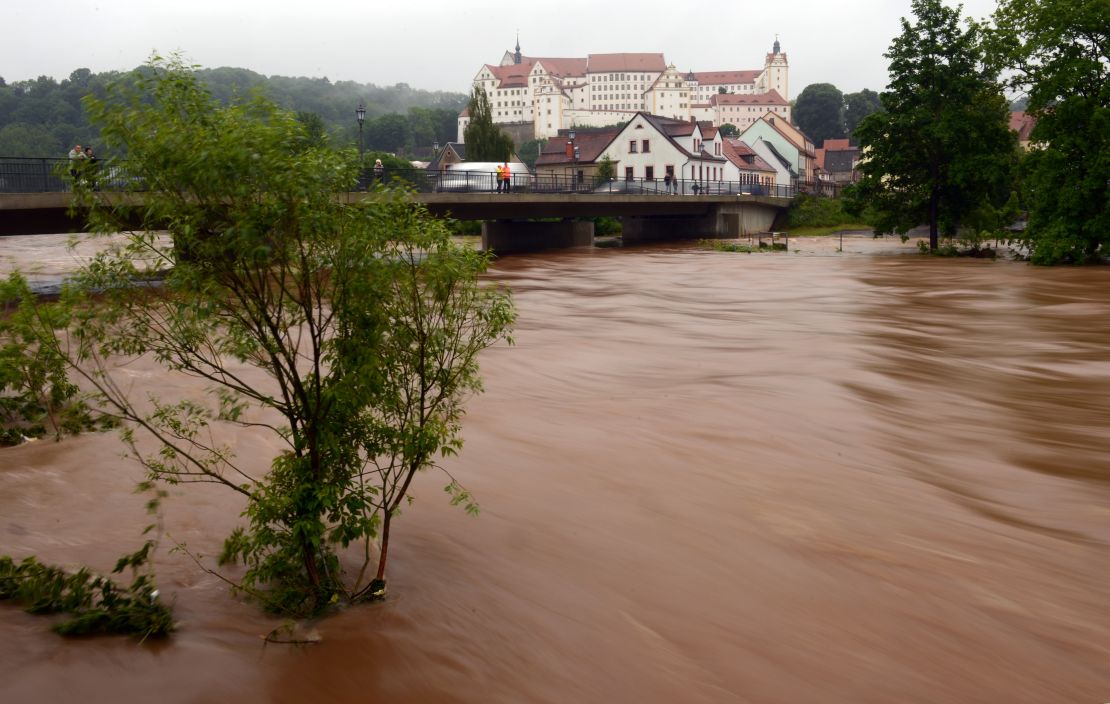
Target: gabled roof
[608, 63]
[511, 76]
[670, 128]
[457, 147]
[708, 129]
[836, 145]
[771, 97]
[590, 142]
[561, 66]
[725, 77]
[779, 157]
[772, 121]
[743, 156]
[840, 161]
[1022, 123]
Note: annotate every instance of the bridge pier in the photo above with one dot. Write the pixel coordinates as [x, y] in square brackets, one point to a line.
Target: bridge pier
[721, 222]
[508, 236]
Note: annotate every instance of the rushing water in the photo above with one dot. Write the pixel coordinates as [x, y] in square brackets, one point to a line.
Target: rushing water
[704, 477]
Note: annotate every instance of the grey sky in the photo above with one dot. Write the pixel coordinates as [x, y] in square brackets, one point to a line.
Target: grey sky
[438, 45]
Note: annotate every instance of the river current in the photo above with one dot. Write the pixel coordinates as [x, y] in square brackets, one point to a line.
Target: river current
[812, 476]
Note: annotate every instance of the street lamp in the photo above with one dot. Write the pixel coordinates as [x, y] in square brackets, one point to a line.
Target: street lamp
[360, 115]
[572, 153]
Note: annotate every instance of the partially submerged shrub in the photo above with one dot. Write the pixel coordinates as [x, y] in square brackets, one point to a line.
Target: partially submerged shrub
[93, 604]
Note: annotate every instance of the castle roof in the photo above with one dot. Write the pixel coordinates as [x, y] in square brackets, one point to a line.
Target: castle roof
[609, 63]
[561, 66]
[725, 77]
[771, 97]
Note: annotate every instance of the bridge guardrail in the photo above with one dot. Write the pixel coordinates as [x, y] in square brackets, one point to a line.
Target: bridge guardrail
[52, 175]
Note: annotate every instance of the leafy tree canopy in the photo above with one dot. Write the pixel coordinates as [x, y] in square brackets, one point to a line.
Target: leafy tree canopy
[729, 130]
[858, 106]
[484, 140]
[47, 117]
[1059, 53]
[347, 331]
[819, 112]
[942, 145]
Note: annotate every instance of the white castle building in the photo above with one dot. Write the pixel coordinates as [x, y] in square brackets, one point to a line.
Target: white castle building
[604, 89]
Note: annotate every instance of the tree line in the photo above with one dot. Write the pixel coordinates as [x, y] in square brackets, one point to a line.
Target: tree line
[823, 112]
[941, 152]
[45, 117]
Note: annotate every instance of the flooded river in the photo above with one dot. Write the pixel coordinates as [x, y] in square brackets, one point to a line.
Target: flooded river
[704, 477]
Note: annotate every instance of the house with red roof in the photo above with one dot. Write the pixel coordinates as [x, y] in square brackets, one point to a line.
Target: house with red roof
[1022, 123]
[644, 151]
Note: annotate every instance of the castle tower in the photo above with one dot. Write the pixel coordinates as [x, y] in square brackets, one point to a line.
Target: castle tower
[517, 58]
[776, 72]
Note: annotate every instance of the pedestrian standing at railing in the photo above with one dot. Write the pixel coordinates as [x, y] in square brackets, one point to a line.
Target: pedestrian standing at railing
[90, 167]
[507, 177]
[379, 170]
[76, 162]
[500, 178]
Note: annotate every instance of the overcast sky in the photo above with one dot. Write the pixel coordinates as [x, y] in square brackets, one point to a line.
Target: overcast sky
[438, 45]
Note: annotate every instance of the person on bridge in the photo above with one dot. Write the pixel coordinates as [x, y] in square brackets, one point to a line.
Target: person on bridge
[76, 162]
[500, 177]
[507, 177]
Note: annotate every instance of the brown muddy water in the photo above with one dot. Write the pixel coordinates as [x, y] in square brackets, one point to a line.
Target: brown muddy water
[704, 477]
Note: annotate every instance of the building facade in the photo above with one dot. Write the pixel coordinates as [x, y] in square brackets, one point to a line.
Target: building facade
[553, 94]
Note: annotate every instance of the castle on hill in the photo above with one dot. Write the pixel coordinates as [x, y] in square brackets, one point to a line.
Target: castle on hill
[536, 97]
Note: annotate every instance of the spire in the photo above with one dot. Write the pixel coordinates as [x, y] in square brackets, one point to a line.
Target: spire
[517, 58]
[778, 48]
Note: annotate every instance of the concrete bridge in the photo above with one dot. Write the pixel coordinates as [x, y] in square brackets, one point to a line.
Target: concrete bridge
[512, 222]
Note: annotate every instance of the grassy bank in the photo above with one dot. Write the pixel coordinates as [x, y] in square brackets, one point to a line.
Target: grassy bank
[823, 230]
[810, 216]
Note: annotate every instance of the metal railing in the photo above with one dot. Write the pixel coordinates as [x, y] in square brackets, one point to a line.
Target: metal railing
[52, 175]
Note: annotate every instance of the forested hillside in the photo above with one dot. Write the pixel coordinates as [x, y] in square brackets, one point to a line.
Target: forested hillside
[44, 117]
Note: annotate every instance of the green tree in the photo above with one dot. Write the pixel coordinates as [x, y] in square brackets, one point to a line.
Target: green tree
[1059, 51]
[729, 130]
[819, 112]
[484, 140]
[942, 143]
[530, 151]
[348, 330]
[388, 133]
[858, 106]
[606, 170]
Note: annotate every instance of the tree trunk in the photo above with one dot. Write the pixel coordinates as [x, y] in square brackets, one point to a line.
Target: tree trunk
[380, 577]
[933, 207]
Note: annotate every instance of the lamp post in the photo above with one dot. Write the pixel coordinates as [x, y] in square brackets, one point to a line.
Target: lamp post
[572, 153]
[360, 115]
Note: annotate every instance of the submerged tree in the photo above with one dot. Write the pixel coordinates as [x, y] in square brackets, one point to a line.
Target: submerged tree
[942, 143]
[364, 320]
[484, 140]
[1059, 51]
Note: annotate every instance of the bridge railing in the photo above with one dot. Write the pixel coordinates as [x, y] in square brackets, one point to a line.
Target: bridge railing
[48, 175]
[55, 175]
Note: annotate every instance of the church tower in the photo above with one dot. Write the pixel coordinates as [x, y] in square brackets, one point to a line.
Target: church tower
[517, 58]
[776, 72]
